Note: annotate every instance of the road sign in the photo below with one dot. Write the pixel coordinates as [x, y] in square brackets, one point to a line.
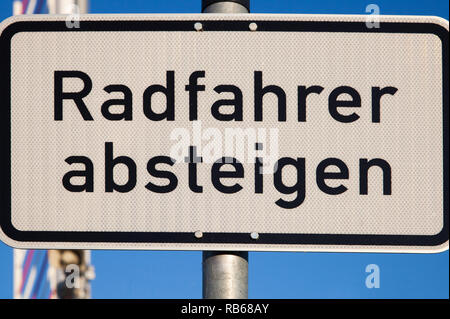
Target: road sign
[225, 132]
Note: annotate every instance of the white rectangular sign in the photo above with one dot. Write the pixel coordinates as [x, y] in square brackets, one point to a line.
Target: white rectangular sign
[225, 132]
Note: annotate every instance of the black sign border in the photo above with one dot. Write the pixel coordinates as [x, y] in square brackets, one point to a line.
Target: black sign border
[212, 238]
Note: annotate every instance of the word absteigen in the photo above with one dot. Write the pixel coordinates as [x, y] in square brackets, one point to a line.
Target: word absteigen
[225, 167]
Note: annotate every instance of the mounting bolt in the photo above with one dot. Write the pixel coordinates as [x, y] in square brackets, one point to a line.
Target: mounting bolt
[198, 234]
[198, 26]
[254, 235]
[253, 26]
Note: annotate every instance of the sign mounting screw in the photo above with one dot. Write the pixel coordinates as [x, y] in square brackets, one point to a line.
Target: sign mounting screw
[254, 235]
[198, 234]
[198, 26]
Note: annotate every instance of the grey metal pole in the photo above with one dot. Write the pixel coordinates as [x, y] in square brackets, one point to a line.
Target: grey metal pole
[68, 6]
[223, 6]
[225, 273]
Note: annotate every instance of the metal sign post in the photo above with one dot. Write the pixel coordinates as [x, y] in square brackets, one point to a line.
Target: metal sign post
[222, 6]
[225, 274]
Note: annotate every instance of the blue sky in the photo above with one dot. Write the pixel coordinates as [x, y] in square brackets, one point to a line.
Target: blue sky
[160, 274]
